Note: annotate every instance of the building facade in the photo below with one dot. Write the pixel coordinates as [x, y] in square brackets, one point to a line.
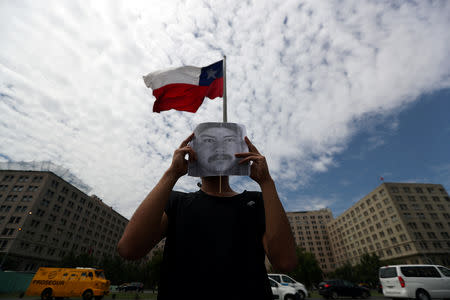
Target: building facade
[403, 222]
[43, 218]
[310, 233]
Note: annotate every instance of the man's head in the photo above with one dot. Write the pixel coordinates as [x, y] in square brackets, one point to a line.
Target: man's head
[215, 145]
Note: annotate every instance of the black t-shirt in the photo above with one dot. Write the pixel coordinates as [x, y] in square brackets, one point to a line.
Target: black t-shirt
[214, 248]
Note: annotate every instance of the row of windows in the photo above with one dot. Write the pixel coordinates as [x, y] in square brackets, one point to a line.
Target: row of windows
[439, 225]
[308, 217]
[20, 188]
[39, 249]
[422, 198]
[417, 189]
[416, 206]
[420, 215]
[10, 178]
[15, 198]
[430, 234]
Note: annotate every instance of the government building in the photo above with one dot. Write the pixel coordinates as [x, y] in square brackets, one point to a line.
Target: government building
[44, 217]
[310, 232]
[400, 222]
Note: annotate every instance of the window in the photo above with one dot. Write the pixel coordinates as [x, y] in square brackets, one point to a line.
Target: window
[419, 190]
[426, 271]
[426, 225]
[439, 225]
[431, 235]
[412, 225]
[445, 271]
[420, 215]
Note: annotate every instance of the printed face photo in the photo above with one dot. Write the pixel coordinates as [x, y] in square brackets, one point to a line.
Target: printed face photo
[215, 145]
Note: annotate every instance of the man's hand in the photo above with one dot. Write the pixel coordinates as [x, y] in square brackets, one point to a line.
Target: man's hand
[259, 171]
[179, 164]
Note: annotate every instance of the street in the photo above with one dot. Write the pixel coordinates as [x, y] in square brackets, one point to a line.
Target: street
[152, 296]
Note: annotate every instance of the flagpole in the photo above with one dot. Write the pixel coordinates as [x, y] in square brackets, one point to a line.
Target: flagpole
[224, 89]
[224, 104]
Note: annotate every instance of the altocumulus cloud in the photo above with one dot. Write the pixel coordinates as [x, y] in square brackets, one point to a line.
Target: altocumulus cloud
[303, 76]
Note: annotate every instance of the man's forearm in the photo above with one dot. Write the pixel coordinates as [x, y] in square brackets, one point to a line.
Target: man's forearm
[279, 242]
[145, 228]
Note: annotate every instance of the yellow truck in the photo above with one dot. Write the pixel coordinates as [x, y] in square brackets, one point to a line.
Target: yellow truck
[87, 283]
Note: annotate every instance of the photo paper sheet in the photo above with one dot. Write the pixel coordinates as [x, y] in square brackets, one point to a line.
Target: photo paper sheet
[215, 145]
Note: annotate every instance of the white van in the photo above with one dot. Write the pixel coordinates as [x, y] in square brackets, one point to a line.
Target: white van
[422, 282]
[288, 281]
[283, 292]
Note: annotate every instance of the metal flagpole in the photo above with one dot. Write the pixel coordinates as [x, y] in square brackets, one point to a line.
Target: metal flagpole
[224, 89]
[224, 104]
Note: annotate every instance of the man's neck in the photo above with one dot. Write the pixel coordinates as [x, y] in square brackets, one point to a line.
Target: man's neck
[217, 186]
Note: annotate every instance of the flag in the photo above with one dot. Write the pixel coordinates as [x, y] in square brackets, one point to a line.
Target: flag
[185, 88]
[381, 178]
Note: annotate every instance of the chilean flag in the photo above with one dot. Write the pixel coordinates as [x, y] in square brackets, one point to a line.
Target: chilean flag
[185, 88]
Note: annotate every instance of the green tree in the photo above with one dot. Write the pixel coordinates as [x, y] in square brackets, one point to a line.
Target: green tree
[154, 269]
[367, 269]
[72, 261]
[307, 271]
[346, 272]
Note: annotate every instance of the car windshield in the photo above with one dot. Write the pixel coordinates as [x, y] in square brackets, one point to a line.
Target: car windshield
[275, 277]
[287, 279]
[100, 274]
[389, 272]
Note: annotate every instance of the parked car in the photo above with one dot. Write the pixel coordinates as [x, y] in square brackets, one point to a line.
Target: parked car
[283, 292]
[132, 286]
[286, 280]
[422, 282]
[336, 288]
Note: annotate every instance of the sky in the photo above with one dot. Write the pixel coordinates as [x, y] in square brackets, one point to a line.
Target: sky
[335, 94]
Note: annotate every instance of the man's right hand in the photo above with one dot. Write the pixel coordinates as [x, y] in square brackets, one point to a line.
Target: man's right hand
[179, 164]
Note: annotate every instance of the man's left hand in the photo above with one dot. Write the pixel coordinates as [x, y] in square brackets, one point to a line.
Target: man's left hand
[259, 171]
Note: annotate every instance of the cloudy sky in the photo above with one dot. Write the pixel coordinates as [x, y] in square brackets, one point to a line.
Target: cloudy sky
[334, 93]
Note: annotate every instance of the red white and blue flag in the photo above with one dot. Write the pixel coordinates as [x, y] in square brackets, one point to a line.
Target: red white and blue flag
[185, 88]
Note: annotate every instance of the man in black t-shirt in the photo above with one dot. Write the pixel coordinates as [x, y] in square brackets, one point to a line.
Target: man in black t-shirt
[216, 238]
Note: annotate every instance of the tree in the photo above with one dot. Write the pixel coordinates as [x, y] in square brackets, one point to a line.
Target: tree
[307, 271]
[72, 261]
[346, 272]
[367, 269]
[154, 269]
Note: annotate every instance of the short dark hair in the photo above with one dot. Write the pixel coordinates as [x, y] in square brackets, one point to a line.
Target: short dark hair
[232, 126]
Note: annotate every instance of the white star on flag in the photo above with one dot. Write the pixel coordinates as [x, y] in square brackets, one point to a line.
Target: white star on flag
[211, 73]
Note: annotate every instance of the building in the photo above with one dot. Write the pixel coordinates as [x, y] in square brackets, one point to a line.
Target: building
[310, 232]
[43, 218]
[402, 222]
